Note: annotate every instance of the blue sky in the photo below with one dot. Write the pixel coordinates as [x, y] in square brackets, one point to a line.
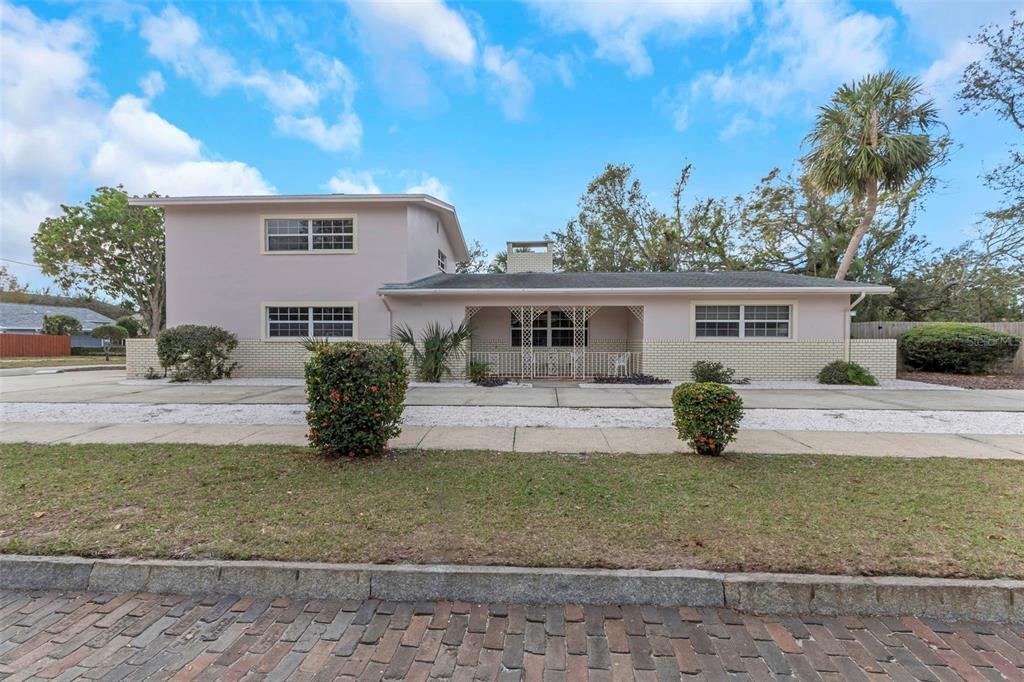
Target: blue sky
[504, 109]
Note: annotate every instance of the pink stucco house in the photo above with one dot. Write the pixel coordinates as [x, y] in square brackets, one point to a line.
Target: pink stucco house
[277, 269]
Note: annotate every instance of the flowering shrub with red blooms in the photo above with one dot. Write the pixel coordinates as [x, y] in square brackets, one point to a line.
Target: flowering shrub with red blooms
[356, 394]
[707, 416]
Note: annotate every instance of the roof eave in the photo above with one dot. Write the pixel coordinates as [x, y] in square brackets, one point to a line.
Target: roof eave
[626, 291]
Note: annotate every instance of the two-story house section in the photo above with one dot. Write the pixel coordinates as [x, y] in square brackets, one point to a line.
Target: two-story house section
[284, 268]
[276, 270]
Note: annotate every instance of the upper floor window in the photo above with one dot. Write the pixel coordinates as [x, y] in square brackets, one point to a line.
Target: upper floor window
[310, 321]
[742, 321]
[551, 329]
[310, 234]
[442, 261]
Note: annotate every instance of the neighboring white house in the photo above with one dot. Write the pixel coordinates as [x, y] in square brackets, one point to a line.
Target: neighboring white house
[277, 269]
[27, 318]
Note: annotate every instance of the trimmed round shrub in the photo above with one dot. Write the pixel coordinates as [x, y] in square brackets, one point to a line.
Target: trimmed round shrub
[842, 372]
[131, 325]
[356, 395]
[114, 333]
[707, 416]
[60, 325]
[705, 370]
[956, 348]
[193, 352]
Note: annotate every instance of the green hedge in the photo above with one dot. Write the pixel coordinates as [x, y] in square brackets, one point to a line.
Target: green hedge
[193, 352]
[356, 394]
[957, 348]
[707, 416]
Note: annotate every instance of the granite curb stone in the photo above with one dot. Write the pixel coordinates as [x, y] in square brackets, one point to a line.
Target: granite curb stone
[771, 593]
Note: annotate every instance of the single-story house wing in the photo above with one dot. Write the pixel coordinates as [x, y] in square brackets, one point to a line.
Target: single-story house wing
[27, 318]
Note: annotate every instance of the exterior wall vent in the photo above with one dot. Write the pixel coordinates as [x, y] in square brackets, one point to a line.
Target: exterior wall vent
[530, 257]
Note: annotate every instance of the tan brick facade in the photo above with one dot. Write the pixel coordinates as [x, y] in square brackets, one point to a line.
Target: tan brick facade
[256, 358]
[767, 360]
[759, 360]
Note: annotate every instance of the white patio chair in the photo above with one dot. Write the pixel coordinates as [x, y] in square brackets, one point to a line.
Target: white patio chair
[618, 362]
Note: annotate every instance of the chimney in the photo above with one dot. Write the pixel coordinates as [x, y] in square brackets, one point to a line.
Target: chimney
[529, 257]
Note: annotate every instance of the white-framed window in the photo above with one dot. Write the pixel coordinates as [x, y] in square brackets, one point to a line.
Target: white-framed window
[442, 261]
[335, 322]
[551, 329]
[743, 321]
[309, 234]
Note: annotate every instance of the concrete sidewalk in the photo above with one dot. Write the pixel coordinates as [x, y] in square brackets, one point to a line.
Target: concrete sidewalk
[107, 387]
[539, 439]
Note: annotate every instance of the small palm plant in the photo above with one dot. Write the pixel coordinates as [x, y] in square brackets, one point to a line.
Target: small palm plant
[436, 345]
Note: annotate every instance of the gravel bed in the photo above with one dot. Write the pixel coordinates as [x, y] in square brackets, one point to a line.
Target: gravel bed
[897, 421]
[886, 384]
[891, 384]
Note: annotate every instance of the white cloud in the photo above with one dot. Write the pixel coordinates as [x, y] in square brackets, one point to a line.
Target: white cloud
[164, 158]
[942, 78]
[674, 102]
[152, 84]
[177, 40]
[621, 30]
[48, 123]
[275, 24]
[404, 39]
[426, 184]
[948, 32]
[344, 134]
[948, 23]
[347, 181]
[429, 24]
[510, 86]
[60, 138]
[803, 49]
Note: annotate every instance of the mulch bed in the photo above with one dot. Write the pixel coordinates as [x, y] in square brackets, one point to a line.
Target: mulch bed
[635, 379]
[982, 381]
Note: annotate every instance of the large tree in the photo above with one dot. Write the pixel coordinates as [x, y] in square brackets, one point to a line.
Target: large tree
[996, 83]
[108, 246]
[616, 229]
[874, 136]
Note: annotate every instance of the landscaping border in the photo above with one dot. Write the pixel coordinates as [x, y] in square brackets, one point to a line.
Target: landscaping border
[993, 600]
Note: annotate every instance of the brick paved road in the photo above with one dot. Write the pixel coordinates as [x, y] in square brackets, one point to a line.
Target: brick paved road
[146, 636]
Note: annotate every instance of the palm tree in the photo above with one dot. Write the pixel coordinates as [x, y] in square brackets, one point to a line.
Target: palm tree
[872, 137]
[436, 345]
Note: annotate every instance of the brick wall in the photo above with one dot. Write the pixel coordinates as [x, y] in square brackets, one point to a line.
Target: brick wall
[259, 359]
[767, 360]
[761, 360]
[256, 358]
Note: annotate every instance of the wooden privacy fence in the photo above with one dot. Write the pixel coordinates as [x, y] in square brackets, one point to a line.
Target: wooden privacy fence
[21, 345]
[892, 330]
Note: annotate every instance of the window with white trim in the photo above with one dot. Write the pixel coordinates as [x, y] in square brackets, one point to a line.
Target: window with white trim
[742, 321]
[336, 322]
[551, 329]
[442, 261]
[310, 234]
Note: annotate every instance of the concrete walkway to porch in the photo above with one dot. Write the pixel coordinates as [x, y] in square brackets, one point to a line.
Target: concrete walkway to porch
[537, 439]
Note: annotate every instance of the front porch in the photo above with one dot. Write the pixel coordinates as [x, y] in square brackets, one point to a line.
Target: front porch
[560, 341]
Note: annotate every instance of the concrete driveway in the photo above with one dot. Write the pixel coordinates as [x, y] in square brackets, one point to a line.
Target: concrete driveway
[109, 387]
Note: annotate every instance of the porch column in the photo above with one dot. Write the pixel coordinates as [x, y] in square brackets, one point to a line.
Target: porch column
[525, 315]
[580, 314]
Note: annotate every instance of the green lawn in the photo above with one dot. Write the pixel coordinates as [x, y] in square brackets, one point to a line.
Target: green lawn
[60, 361]
[938, 517]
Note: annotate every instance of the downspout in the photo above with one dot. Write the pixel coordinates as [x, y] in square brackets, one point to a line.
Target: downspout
[391, 317]
[847, 330]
